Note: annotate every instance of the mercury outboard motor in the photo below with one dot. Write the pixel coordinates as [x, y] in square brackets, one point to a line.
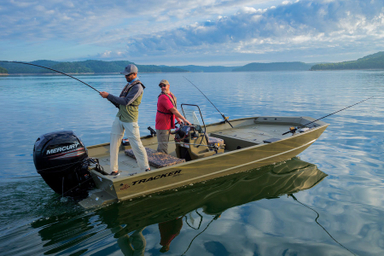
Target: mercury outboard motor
[62, 160]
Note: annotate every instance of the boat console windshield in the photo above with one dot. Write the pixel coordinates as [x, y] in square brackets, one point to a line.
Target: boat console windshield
[192, 141]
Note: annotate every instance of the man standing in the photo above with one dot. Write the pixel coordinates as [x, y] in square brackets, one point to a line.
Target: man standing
[126, 120]
[166, 114]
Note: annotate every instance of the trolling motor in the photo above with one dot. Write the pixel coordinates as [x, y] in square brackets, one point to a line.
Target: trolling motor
[62, 161]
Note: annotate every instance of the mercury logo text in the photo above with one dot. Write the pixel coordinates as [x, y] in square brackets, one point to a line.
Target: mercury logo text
[62, 149]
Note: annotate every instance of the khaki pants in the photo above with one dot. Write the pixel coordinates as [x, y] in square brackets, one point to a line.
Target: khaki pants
[162, 140]
[133, 135]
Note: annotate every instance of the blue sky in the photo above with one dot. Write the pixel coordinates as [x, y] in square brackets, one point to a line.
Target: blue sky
[200, 32]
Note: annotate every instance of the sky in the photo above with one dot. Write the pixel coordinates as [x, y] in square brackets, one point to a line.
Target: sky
[184, 32]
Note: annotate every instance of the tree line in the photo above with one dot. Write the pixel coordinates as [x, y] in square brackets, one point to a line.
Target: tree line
[374, 61]
[78, 67]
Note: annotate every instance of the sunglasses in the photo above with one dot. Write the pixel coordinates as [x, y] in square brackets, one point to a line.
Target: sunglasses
[162, 85]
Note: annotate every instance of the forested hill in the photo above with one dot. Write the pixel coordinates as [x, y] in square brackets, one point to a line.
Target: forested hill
[89, 66]
[374, 61]
[274, 66]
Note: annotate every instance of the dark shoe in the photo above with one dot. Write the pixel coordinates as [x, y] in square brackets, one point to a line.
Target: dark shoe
[115, 174]
[147, 170]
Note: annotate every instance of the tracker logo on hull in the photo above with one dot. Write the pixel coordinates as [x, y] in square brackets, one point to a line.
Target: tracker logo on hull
[168, 174]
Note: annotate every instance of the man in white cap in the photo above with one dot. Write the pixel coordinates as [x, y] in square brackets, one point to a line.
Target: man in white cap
[126, 120]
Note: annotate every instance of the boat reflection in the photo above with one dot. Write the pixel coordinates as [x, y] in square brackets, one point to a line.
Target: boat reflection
[213, 197]
[169, 210]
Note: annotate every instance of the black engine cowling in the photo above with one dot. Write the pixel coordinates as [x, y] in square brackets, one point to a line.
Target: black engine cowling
[61, 159]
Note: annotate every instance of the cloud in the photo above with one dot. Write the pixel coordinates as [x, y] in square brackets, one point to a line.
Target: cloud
[67, 19]
[303, 24]
[174, 28]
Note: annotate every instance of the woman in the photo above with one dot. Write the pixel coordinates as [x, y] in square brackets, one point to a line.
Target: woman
[165, 116]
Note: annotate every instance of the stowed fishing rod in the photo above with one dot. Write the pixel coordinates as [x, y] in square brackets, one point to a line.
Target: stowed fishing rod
[26, 63]
[225, 118]
[294, 129]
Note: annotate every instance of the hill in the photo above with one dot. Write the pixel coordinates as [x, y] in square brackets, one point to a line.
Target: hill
[3, 71]
[373, 61]
[274, 66]
[193, 68]
[88, 66]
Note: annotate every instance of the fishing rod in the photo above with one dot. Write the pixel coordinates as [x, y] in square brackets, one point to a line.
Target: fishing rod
[294, 129]
[225, 118]
[26, 63]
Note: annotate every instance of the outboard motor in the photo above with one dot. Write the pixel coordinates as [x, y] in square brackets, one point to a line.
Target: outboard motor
[62, 160]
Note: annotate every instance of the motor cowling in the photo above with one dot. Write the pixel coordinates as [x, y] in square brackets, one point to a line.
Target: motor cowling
[61, 159]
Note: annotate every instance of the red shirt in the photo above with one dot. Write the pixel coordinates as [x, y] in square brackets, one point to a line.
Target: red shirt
[164, 121]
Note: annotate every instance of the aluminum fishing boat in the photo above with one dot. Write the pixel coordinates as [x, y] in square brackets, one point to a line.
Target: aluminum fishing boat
[196, 153]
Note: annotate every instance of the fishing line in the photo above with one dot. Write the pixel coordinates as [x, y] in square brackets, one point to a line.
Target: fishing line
[214, 218]
[201, 220]
[296, 128]
[224, 117]
[26, 63]
[317, 217]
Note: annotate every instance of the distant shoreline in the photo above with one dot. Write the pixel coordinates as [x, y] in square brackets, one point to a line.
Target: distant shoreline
[73, 74]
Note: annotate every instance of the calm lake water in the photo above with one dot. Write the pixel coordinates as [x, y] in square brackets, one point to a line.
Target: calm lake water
[336, 187]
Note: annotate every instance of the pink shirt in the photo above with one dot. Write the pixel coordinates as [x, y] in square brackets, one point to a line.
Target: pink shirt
[164, 121]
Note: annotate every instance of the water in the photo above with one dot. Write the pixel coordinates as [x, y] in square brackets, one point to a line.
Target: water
[235, 215]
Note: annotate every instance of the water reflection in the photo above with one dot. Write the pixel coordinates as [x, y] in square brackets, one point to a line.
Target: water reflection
[124, 224]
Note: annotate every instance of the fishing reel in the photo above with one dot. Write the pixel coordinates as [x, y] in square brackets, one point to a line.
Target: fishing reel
[294, 129]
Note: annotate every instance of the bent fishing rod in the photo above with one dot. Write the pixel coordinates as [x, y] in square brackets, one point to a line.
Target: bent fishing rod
[225, 118]
[31, 64]
[294, 129]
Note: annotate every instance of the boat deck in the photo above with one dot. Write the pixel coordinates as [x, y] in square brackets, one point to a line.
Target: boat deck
[234, 138]
[251, 135]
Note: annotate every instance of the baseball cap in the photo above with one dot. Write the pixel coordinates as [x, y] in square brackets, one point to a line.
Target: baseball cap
[130, 69]
[164, 82]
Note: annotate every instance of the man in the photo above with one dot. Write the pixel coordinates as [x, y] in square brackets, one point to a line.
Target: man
[126, 120]
[168, 231]
[165, 116]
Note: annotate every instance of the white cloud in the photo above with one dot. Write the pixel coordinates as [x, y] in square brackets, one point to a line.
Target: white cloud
[131, 29]
[291, 25]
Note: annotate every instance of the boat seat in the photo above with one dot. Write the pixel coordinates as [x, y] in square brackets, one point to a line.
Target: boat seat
[157, 159]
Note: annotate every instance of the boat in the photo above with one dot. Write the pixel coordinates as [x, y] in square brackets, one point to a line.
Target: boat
[198, 153]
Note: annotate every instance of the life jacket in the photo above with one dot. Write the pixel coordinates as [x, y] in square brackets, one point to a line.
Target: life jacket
[173, 100]
[126, 89]
[130, 113]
